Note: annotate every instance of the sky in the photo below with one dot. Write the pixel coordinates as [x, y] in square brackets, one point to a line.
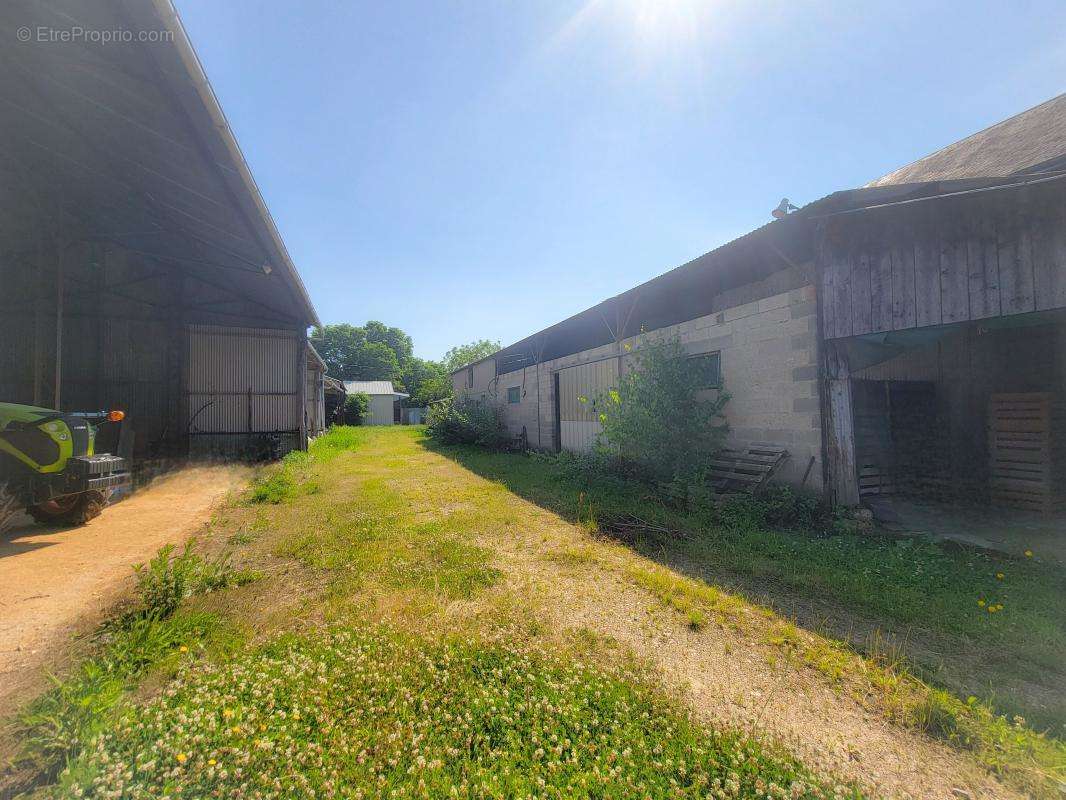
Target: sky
[486, 168]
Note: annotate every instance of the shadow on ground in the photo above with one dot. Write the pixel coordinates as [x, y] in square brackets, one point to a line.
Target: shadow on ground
[954, 662]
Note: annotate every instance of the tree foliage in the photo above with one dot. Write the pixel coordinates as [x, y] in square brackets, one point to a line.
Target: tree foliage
[426, 381]
[356, 407]
[374, 352]
[662, 421]
[468, 353]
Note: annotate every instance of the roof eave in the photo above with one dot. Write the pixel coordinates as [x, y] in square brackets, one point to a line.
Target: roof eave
[198, 79]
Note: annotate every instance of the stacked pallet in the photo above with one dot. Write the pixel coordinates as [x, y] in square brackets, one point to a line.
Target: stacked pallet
[1026, 464]
[746, 469]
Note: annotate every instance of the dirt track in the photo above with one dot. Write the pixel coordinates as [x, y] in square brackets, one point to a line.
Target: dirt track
[58, 582]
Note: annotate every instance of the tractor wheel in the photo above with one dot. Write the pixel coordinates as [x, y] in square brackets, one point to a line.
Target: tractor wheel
[74, 509]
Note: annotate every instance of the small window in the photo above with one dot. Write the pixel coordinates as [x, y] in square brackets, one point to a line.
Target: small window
[469, 377]
[709, 367]
[514, 394]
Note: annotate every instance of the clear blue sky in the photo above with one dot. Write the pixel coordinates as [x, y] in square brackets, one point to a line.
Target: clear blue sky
[482, 169]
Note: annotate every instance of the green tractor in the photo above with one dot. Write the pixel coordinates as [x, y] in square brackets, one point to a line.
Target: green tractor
[49, 467]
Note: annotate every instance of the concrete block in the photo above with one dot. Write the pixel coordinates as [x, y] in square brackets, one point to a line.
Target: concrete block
[738, 312]
[805, 373]
[776, 301]
[802, 341]
[804, 309]
[806, 404]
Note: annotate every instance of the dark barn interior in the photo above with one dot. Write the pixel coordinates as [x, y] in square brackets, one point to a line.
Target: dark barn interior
[946, 322]
[139, 266]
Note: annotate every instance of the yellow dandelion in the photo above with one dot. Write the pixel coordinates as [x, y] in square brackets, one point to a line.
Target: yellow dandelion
[1000, 576]
[235, 729]
[182, 758]
[183, 649]
[627, 346]
[211, 762]
[227, 712]
[1028, 553]
[981, 602]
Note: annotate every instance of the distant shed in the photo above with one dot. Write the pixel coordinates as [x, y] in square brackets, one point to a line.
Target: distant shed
[384, 401]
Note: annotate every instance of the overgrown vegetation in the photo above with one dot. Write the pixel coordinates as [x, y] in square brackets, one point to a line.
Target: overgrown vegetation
[356, 407]
[393, 532]
[58, 726]
[783, 540]
[458, 718]
[664, 422]
[465, 421]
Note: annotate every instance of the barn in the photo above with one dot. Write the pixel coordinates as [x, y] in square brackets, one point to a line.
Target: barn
[141, 269]
[905, 339]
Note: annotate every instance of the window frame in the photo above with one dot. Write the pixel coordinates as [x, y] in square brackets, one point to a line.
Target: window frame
[514, 395]
[717, 354]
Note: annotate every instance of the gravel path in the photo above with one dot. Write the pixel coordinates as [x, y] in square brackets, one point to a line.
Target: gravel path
[55, 583]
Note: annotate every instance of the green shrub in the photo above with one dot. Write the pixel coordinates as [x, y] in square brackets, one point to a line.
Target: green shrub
[463, 421]
[356, 406]
[663, 424]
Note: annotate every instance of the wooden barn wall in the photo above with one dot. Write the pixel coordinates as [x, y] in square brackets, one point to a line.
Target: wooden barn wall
[967, 367]
[937, 262]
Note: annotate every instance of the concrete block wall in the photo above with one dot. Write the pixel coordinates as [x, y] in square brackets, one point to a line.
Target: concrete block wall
[769, 366]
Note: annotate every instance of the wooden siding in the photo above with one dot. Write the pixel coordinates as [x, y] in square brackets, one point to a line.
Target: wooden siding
[944, 261]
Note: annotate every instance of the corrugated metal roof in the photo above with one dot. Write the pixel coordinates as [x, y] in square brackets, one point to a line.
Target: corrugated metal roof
[1034, 140]
[370, 387]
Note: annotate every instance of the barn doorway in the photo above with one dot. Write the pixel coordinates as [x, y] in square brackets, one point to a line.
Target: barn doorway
[962, 432]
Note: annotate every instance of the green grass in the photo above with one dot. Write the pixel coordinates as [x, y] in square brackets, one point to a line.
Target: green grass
[375, 713]
[904, 581]
[407, 709]
[153, 635]
[909, 582]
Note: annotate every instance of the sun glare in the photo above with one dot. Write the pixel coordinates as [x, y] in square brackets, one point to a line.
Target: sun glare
[651, 27]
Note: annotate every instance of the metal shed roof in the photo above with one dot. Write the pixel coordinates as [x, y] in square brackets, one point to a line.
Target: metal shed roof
[124, 142]
[371, 387]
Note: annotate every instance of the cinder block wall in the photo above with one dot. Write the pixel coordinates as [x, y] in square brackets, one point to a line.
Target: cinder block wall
[769, 363]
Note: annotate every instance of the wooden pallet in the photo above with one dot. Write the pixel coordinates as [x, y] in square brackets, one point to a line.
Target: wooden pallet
[875, 479]
[1025, 462]
[747, 469]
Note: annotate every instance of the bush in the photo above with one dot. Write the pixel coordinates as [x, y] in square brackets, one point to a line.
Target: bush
[462, 421]
[356, 407]
[661, 422]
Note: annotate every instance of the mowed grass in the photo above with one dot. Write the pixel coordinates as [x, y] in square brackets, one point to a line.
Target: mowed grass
[365, 690]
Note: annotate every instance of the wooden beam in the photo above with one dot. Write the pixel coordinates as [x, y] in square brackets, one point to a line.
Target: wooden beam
[840, 429]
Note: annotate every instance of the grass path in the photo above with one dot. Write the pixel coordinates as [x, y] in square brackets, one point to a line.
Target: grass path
[375, 528]
[562, 583]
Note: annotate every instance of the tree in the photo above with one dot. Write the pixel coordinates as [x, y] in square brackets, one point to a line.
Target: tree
[426, 382]
[371, 353]
[663, 419]
[468, 353]
[396, 340]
